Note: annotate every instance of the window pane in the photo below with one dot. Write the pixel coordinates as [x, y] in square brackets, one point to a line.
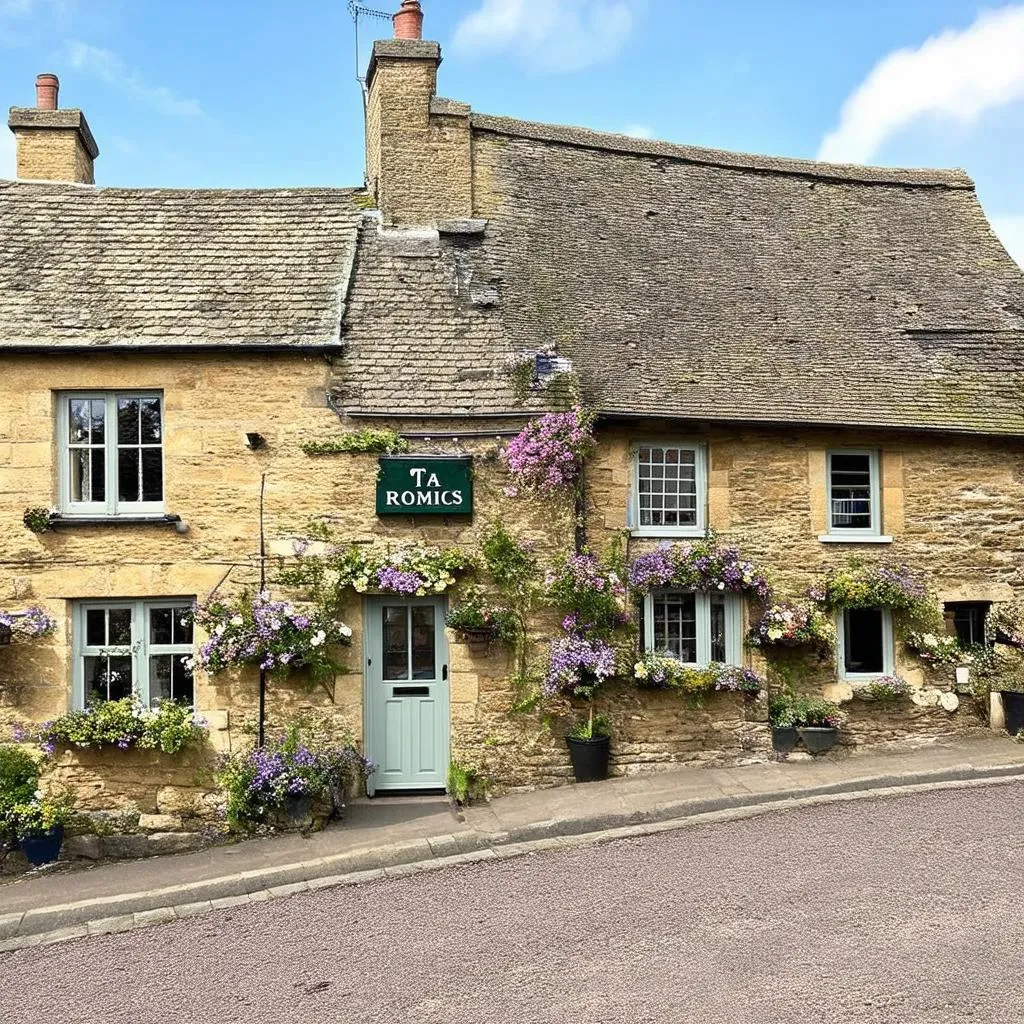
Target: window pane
[675, 625]
[120, 627]
[864, 643]
[108, 678]
[127, 421]
[423, 637]
[79, 420]
[128, 474]
[851, 491]
[718, 647]
[396, 642]
[161, 628]
[98, 476]
[99, 416]
[170, 679]
[150, 429]
[95, 627]
[667, 486]
[152, 474]
[81, 474]
[183, 624]
[969, 622]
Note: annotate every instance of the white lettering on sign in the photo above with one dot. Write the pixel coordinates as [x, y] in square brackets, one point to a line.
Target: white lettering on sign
[427, 491]
[391, 498]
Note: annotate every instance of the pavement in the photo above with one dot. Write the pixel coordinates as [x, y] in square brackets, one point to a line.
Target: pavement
[400, 836]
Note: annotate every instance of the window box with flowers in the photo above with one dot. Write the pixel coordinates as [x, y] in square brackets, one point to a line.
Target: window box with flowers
[476, 621]
[275, 636]
[794, 625]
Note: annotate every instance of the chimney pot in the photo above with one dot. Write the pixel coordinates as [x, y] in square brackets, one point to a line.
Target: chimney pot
[47, 87]
[408, 21]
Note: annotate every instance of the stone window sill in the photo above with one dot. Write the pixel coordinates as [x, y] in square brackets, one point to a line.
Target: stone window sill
[63, 522]
[829, 538]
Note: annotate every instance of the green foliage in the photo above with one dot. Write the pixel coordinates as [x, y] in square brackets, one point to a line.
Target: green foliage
[474, 614]
[788, 710]
[592, 593]
[466, 783]
[937, 648]
[662, 670]
[522, 374]
[593, 727]
[367, 440]
[37, 519]
[19, 776]
[125, 723]
[37, 815]
[860, 585]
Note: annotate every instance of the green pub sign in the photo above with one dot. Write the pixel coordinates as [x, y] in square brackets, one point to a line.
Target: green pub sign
[427, 485]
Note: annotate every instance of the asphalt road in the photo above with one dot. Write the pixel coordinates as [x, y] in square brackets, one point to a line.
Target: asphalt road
[899, 910]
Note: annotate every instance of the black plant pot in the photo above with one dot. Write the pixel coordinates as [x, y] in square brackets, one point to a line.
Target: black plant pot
[478, 634]
[1013, 712]
[43, 849]
[784, 740]
[297, 811]
[589, 758]
[817, 739]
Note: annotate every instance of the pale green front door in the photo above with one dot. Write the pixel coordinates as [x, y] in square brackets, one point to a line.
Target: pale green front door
[407, 693]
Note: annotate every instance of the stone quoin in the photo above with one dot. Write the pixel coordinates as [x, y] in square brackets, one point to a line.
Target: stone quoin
[813, 361]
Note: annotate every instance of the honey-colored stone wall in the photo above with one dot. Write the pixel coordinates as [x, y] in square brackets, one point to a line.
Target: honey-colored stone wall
[418, 160]
[951, 506]
[48, 154]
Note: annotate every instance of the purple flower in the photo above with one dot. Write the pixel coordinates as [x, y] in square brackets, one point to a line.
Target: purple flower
[399, 581]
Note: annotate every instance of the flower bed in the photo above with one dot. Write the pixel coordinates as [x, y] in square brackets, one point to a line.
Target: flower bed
[697, 565]
[274, 635]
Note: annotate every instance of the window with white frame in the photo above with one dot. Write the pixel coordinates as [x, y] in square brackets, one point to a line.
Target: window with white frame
[111, 453]
[697, 628]
[853, 494]
[125, 647]
[669, 489]
[865, 643]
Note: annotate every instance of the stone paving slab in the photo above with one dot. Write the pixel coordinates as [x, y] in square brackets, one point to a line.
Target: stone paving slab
[118, 896]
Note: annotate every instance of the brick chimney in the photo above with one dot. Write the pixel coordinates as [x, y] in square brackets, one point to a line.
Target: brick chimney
[418, 156]
[53, 144]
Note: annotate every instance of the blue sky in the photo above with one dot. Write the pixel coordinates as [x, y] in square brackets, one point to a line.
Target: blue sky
[263, 92]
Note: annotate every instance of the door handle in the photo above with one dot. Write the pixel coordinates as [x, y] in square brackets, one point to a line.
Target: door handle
[444, 671]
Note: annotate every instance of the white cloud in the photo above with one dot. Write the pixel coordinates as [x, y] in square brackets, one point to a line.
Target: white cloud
[110, 68]
[549, 35]
[639, 131]
[1010, 229]
[957, 75]
[6, 155]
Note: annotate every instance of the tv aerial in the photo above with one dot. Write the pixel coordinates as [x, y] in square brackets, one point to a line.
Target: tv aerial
[359, 11]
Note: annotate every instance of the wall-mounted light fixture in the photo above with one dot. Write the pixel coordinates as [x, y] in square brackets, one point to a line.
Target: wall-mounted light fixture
[255, 441]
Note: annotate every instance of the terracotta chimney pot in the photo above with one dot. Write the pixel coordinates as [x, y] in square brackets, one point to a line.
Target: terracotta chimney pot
[408, 21]
[47, 87]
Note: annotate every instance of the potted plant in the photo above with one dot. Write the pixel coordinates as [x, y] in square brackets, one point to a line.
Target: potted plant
[478, 622]
[818, 723]
[38, 826]
[589, 741]
[782, 713]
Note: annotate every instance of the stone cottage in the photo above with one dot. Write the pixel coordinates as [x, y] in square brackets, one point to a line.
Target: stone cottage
[813, 361]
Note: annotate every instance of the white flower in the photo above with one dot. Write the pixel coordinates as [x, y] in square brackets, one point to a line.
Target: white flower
[344, 630]
[219, 631]
[38, 794]
[721, 586]
[318, 639]
[236, 620]
[640, 670]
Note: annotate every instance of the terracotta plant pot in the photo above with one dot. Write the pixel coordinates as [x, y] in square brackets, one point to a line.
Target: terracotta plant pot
[817, 739]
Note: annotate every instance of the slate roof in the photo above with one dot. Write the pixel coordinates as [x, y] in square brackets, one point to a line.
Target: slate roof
[702, 285]
[85, 266]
